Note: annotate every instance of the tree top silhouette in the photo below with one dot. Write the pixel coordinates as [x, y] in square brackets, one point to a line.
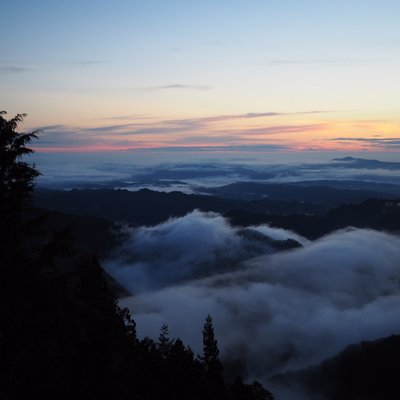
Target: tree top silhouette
[16, 180]
[16, 176]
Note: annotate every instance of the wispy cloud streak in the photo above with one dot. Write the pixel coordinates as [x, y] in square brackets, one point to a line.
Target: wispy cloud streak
[327, 61]
[383, 142]
[269, 128]
[15, 69]
[177, 86]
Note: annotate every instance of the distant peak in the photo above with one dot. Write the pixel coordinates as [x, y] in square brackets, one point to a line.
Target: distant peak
[346, 159]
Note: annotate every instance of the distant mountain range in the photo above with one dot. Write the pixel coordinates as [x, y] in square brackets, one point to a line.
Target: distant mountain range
[322, 193]
[362, 173]
[149, 207]
[311, 220]
[368, 164]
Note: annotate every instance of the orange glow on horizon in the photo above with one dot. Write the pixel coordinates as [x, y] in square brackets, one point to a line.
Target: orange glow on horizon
[292, 133]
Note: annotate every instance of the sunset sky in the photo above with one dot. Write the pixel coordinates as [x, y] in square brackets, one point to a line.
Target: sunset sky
[269, 75]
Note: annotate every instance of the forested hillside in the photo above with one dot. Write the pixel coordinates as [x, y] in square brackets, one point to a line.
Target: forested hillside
[62, 333]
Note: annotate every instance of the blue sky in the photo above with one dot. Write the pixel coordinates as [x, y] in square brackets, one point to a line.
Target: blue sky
[80, 64]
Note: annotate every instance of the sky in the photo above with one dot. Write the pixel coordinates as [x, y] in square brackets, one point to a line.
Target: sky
[276, 76]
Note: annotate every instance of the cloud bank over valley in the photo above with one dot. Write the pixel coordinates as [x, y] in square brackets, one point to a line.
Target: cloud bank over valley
[191, 170]
[274, 310]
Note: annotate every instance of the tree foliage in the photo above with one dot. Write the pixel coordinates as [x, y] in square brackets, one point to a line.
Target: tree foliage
[16, 180]
[211, 361]
[164, 342]
[210, 356]
[16, 176]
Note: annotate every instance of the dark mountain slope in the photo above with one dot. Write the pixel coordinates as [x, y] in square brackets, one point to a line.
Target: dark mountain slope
[367, 371]
[144, 207]
[372, 213]
[88, 234]
[325, 196]
[309, 226]
[147, 207]
[376, 214]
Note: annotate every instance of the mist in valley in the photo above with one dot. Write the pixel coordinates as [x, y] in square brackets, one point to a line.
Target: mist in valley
[274, 310]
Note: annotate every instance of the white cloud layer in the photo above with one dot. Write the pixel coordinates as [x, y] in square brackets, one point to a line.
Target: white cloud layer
[197, 245]
[272, 313]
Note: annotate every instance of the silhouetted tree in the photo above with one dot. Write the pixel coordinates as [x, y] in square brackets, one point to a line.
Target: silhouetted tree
[242, 391]
[62, 333]
[164, 342]
[259, 392]
[211, 361]
[210, 356]
[186, 375]
[16, 185]
[16, 176]
[130, 324]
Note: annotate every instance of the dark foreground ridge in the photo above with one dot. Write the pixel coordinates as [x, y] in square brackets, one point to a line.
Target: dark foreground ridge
[62, 333]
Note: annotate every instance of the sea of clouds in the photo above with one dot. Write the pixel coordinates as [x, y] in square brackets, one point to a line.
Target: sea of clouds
[189, 171]
[273, 311]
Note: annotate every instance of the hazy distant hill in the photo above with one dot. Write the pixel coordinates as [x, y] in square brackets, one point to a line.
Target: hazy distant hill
[386, 189]
[354, 162]
[324, 194]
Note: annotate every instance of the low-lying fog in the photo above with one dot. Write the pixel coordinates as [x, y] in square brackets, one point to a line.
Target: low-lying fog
[186, 171]
[273, 310]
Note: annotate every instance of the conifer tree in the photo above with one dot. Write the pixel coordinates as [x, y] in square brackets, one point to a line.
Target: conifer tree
[164, 342]
[16, 180]
[16, 176]
[211, 362]
[210, 347]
